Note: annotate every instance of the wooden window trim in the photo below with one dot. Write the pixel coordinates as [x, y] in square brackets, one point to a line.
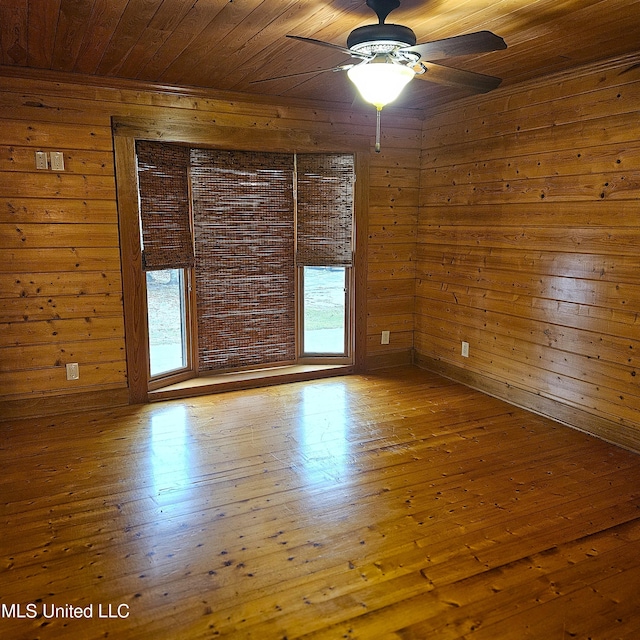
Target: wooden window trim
[125, 133]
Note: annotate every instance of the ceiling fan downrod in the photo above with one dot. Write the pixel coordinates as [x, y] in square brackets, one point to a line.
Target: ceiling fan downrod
[383, 8]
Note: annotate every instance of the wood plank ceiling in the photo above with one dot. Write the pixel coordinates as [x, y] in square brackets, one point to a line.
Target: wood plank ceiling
[228, 44]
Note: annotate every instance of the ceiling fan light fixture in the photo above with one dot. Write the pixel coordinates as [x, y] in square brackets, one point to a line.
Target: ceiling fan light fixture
[391, 58]
[380, 81]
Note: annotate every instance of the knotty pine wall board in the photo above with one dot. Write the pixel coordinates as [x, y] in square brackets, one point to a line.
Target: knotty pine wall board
[583, 317]
[527, 247]
[561, 98]
[58, 210]
[554, 164]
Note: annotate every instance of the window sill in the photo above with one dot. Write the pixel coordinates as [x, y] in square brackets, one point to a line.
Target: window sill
[247, 380]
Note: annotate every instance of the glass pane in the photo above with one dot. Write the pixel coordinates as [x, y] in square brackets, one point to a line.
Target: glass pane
[167, 321]
[324, 310]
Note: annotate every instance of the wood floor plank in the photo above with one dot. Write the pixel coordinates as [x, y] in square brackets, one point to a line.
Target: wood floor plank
[507, 591]
[387, 506]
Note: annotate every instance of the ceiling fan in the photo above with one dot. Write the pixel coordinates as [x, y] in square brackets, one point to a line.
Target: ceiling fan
[390, 58]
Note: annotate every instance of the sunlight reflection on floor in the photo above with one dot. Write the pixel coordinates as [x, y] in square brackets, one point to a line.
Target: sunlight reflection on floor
[324, 445]
[170, 456]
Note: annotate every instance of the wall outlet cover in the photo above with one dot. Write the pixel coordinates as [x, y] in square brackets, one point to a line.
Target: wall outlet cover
[57, 161]
[73, 371]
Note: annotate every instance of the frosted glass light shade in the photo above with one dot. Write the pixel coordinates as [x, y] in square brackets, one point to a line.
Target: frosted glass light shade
[380, 82]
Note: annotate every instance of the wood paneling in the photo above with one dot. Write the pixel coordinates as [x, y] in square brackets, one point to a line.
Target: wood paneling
[393, 216]
[528, 245]
[60, 242]
[396, 505]
[60, 293]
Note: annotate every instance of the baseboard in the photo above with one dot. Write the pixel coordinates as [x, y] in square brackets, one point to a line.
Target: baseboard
[626, 436]
[41, 406]
[389, 359]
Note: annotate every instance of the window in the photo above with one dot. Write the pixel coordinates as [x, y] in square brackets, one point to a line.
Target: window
[324, 305]
[324, 220]
[265, 239]
[167, 321]
[167, 256]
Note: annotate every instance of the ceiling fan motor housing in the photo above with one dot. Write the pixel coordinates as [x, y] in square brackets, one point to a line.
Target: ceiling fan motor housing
[375, 38]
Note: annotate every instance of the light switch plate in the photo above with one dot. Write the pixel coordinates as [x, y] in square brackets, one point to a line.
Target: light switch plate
[42, 162]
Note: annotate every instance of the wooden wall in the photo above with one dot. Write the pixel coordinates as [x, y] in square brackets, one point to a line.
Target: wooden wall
[60, 272]
[529, 247]
[393, 216]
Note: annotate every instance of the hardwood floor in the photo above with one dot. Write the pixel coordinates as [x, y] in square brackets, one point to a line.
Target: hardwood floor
[394, 505]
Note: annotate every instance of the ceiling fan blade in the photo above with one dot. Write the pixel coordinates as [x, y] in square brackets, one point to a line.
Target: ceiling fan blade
[322, 43]
[478, 42]
[477, 82]
[343, 67]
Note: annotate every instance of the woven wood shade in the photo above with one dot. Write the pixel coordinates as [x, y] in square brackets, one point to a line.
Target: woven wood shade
[163, 185]
[244, 246]
[325, 209]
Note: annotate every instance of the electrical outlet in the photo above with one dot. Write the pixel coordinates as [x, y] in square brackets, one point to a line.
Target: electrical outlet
[385, 337]
[57, 161]
[465, 349]
[73, 371]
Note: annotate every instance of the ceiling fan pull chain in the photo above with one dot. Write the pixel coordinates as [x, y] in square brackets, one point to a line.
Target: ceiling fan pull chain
[378, 112]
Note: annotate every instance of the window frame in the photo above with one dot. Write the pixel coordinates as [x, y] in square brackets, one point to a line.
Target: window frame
[190, 329]
[305, 357]
[126, 130]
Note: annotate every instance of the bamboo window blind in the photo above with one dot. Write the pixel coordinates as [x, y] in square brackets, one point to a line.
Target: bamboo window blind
[163, 187]
[254, 219]
[324, 209]
[245, 279]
